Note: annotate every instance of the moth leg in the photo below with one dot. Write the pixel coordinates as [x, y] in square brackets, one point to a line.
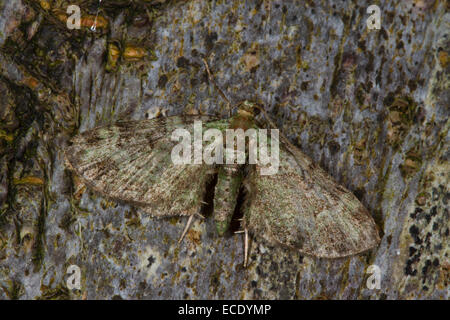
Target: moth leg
[245, 232]
[211, 78]
[188, 224]
[198, 215]
[245, 247]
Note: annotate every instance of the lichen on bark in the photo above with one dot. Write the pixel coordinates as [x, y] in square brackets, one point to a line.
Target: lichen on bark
[370, 106]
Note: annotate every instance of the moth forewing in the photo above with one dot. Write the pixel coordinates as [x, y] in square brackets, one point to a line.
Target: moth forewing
[181, 153]
[269, 164]
[132, 162]
[304, 209]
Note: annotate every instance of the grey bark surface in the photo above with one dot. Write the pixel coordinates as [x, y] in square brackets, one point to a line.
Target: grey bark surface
[371, 106]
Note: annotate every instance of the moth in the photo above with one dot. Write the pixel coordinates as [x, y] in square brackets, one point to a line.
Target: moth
[300, 207]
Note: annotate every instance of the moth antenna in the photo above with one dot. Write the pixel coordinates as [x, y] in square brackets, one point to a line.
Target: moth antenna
[188, 224]
[211, 78]
[269, 11]
[149, 16]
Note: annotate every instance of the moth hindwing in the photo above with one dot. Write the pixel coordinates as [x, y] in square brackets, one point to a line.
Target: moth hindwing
[300, 206]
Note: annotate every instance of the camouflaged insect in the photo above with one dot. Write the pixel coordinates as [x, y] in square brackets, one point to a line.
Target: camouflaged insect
[300, 206]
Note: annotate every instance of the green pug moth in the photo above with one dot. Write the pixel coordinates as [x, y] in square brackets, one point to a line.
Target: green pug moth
[300, 206]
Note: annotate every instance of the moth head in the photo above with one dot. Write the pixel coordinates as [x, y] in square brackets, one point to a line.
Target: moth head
[248, 109]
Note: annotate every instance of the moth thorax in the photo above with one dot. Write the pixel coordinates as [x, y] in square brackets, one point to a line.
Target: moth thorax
[225, 196]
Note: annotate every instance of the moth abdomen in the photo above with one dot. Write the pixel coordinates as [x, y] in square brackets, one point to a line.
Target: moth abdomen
[229, 180]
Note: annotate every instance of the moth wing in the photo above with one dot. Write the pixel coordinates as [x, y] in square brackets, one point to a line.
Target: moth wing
[303, 208]
[130, 161]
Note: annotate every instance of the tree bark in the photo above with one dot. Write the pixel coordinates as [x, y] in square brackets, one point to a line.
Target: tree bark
[370, 106]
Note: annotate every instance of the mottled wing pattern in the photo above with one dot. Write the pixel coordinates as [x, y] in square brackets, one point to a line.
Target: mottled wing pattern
[303, 208]
[131, 161]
